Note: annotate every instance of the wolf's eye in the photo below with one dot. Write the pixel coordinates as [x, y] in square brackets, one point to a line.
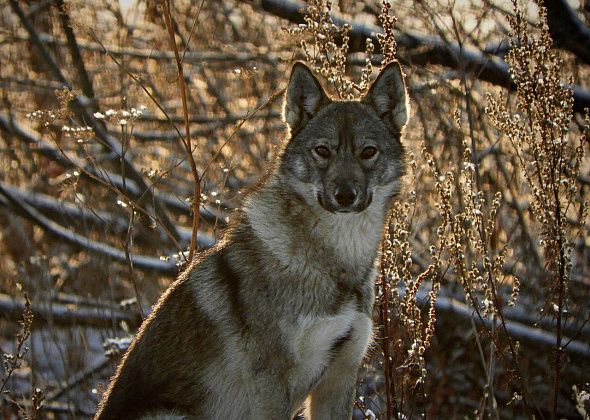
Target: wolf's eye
[322, 151]
[368, 152]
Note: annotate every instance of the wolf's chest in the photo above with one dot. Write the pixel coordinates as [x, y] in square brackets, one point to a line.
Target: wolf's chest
[315, 340]
[352, 238]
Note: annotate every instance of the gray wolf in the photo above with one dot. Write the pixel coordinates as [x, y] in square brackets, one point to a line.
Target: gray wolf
[278, 313]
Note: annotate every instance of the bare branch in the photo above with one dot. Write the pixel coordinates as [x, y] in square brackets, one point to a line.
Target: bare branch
[74, 49]
[95, 219]
[130, 188]
[189, 57]
[57, 313]
[167, 266]
[567, 29]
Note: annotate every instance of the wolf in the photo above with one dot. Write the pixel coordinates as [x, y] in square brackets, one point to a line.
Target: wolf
[277, 315]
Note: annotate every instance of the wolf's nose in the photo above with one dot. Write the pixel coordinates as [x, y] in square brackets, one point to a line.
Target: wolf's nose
[345, 195]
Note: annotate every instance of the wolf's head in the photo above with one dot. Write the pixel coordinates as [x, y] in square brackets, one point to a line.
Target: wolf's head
[344, 155]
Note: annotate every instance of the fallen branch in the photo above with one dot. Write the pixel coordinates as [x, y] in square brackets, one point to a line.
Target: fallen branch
[515, 329]
[55, 313]
[129, 187]
[166, 266]
[95, 219]
[417, 49]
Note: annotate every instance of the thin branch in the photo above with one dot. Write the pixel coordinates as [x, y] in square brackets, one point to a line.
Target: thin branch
[212, 215]
[190, 57]
[163, 136]
[567, 30]
[78, 379]
[197, 119]
[187, 139]
[130, 188]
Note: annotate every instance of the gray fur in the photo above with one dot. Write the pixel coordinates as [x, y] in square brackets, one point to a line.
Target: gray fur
[280, 310]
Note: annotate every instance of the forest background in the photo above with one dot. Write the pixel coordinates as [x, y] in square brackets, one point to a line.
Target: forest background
[129, 130]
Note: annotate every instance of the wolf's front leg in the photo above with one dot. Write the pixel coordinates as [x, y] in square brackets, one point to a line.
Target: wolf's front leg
[270, 394]
[333, 397]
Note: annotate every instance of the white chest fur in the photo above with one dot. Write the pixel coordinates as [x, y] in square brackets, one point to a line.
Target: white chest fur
[354, 236]
[313, 339]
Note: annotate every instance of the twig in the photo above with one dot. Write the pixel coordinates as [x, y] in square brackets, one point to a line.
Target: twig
[187, 139]
[12, 362]
[77, 379]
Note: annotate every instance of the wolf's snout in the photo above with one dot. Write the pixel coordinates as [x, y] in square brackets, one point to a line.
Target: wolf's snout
[345, 195]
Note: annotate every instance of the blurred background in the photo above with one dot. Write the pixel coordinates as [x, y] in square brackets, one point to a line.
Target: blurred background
[483, 303]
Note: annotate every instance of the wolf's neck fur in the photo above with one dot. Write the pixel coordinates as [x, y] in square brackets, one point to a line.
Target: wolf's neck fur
[297, 233]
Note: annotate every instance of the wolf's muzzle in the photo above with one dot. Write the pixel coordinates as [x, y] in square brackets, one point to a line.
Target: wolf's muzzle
[345, 195]
[345, 199]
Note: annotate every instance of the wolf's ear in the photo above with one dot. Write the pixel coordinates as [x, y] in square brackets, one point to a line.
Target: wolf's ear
[389, 98]
[305, 97]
